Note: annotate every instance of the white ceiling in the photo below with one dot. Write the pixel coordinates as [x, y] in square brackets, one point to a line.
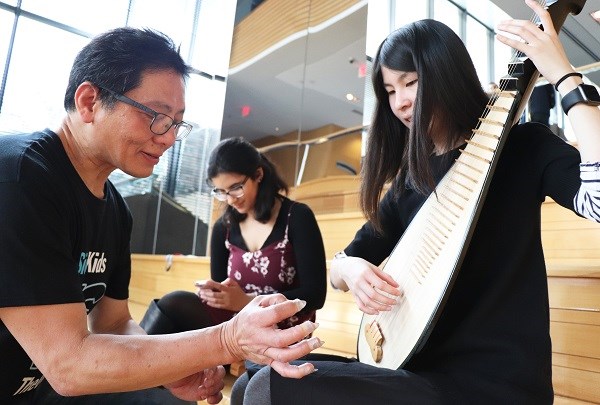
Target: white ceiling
[273, 84]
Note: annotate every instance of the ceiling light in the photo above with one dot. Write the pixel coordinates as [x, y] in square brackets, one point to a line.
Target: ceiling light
[351, 97]
[596, 15]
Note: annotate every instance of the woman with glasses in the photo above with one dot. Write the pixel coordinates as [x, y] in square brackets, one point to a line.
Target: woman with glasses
[264, 243]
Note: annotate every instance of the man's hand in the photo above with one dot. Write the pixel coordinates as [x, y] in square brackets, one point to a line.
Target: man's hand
[205, 385]
[253, 334]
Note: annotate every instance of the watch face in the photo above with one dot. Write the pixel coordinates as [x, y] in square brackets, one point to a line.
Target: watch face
[590, 93]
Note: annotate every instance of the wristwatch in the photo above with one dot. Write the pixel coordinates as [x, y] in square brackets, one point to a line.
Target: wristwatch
[584, 93]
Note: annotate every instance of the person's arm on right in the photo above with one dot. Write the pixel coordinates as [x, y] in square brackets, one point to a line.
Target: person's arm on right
[545, 50]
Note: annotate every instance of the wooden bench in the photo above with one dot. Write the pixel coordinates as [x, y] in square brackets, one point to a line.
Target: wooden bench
[573, 261]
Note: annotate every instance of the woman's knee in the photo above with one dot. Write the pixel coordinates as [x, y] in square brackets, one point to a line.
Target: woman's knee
[238, 390]
[258, 389]
[176, 300]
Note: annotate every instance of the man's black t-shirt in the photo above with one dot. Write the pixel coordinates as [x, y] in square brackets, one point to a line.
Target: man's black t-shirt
[58, 243]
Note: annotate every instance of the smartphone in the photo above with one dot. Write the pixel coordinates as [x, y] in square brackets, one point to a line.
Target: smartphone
[207, 284]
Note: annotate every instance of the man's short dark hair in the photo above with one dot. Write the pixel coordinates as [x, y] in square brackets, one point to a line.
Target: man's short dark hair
[117, 59]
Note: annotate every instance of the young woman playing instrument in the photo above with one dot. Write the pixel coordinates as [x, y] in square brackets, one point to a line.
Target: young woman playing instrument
[490, 343]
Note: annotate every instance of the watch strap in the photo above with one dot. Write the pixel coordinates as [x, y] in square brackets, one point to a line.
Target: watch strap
[572, 98]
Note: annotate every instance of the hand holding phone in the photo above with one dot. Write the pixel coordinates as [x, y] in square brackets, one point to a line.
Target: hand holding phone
[208, 284]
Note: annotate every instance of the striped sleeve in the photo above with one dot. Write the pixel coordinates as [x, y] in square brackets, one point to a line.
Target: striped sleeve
[587, 199]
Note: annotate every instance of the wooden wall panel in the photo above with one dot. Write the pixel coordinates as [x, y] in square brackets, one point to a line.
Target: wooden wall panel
[338, 230]
[150, 278]
[275, 20]
[573, 263]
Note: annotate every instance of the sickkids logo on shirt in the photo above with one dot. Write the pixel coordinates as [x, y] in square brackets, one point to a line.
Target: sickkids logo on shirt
[92, 262]
[29, 383]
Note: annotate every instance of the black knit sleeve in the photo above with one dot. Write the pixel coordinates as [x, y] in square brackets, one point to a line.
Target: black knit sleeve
[375, 247]
[218, 252]
[305, 237]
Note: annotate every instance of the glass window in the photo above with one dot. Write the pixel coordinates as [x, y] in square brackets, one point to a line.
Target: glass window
[478, 46]
[447, 13]
[405, 14]
[386, 15]
[379, 24]
[215, 22]
[6, 24]
[86, 15]
[37, 77]
[502, 56]
[174, 18]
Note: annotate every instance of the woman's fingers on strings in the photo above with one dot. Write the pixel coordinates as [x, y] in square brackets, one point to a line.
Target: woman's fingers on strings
[528, 31]
[383, 284]
[544, 16]
[518, 34]
[378, 296]
[371, 302]
[389, 280]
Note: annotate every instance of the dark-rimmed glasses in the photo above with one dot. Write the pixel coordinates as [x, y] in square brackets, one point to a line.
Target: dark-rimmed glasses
[236, 191]
[161, 123]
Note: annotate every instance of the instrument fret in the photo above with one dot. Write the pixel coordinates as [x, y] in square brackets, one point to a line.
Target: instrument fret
[491, 122]
[484, 133]
[441, 223]
[439, 211]
[497, 108]
[462, 162]
[480, 146]
[456, 193]
[433, 241]
[438, 238]
[455, 215]
[454, 181]
[474, 156]
[455, 204]
[431, 253]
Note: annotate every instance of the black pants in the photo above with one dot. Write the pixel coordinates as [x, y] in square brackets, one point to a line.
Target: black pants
[179, 311]
[346, 381]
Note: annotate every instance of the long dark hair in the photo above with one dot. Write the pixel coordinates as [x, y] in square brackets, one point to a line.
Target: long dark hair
[236, 155]
[449, 94]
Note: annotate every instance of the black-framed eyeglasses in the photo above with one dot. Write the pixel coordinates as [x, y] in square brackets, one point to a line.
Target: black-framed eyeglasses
[236, 191]
[161, 123]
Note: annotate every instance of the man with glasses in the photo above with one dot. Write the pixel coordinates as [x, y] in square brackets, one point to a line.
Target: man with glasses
[66, 333]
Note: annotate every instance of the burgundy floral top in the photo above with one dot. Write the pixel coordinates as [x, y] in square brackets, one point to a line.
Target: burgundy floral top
[274, 267]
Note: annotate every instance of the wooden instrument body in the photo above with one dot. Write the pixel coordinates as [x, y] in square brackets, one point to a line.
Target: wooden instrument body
[427, 259]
